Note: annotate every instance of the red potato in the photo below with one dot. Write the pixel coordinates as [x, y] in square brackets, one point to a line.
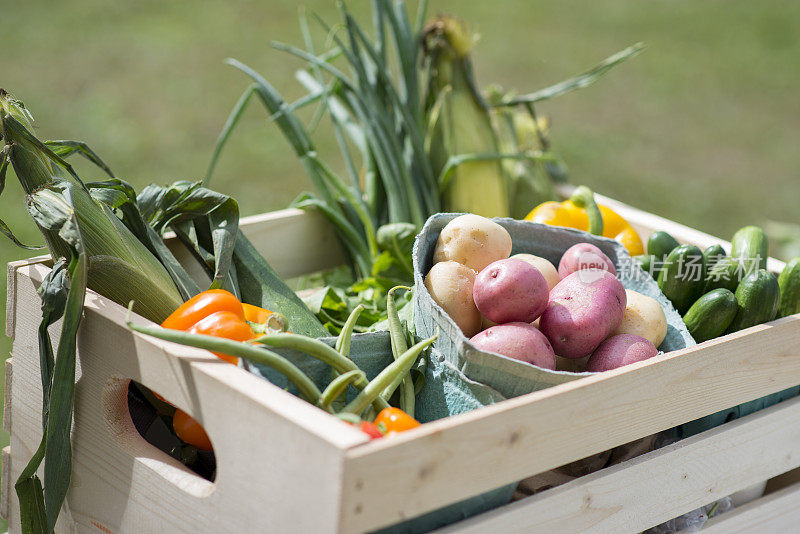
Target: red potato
[547, 269]
[520, 341]
[583, 309]
[620, 350]
[510, 290]
[584, 256]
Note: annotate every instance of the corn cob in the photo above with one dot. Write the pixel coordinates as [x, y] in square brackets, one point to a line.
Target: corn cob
[459, 124]
[120, 267]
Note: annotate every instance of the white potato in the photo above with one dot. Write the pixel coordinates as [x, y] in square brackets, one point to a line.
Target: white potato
[473, 241]
[547, 269]
[643, 317]
[450, 284]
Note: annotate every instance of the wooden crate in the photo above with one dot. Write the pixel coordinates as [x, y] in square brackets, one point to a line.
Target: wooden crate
[285, 466]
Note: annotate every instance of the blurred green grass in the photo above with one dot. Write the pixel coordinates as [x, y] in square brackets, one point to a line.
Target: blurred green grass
[700, 128]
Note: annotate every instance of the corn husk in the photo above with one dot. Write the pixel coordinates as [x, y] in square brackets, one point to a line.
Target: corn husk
[120, 267]
[459, 124]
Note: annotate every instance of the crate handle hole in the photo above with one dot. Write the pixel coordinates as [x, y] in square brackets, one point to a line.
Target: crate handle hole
[142, 426]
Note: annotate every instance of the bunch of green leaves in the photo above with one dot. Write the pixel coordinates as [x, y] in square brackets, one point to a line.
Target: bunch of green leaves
[367, 82]
[340, 294]
[378, 122]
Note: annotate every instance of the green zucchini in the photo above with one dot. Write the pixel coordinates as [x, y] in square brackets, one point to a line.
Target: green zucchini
[749, 244]
[711, 314]
[660, 244]
[682, 277]
[261, 286]
[758, 297]
[789, 282]
[725, 273]
[712, 255]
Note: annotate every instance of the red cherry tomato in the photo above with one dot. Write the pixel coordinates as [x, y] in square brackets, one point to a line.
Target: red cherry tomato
[370, 429]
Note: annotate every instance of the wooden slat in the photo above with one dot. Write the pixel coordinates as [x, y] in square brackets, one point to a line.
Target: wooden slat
[294, 242]
[11, 289]
[6, 487]
[777, 512]
[9, 369]
[445, 461]
[655, 487]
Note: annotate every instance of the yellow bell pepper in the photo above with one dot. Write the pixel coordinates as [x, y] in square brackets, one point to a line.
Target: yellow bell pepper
[572, 213]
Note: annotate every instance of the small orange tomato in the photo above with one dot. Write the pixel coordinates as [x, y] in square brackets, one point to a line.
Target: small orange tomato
[395, 420]
[190, 431]
[224, 324]
[202, 305]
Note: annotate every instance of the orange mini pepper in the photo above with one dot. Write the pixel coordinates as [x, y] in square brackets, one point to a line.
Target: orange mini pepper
[227, 325]
[268, 320]
[218, 313]
[202, 305]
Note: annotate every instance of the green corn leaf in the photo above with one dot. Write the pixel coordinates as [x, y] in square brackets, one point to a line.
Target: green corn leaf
[118, 194]
[58, 447]
[216, 214]
[30, 493]
[6, 231]
[460, 159]
[577, 82]
[64, 149]
[233, 119]
[53, 293]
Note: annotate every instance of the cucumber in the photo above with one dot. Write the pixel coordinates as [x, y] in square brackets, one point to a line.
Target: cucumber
[682, 277]
[646, 262]
[758, 296]
[660, 244]
[789, 282]
[749, 245]
[713, 254]
[725, 273]
[711, 314]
